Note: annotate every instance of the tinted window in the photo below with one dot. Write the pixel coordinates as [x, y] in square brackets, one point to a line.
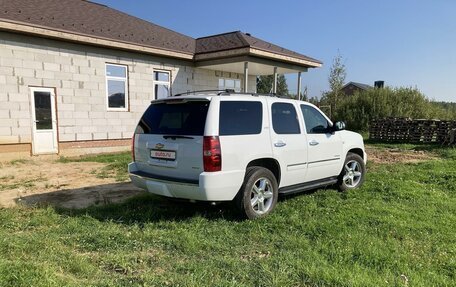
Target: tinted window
[284, 119]
[240, 118]
[315, 122]
[174, 118]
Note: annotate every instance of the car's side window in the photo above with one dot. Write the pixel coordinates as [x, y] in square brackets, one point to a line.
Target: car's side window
[240, 118]
[284, 119]
[315, 122]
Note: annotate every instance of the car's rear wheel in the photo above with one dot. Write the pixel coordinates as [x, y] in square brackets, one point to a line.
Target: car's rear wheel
[258, 194]
[353, 172]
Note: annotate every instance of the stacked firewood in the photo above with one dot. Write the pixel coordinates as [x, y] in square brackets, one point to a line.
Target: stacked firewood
[413, 131]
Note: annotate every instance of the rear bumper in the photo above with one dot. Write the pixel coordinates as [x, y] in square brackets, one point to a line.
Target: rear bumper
[211, 186]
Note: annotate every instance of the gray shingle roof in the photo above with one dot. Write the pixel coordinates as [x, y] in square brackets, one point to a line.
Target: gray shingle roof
[96, 20]
[237, 39]
[87, 18]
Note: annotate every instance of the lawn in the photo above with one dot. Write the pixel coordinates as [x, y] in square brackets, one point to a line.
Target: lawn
[397, 230]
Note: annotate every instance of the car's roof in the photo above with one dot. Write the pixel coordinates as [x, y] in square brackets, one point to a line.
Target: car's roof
[228, 95]
[205, 95]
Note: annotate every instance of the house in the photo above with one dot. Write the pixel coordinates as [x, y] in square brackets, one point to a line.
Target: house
[77, 75]
[351, 88]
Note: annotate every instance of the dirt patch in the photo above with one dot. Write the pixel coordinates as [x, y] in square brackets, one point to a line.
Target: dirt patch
[381, 155]
[72, 185]
[78, 184]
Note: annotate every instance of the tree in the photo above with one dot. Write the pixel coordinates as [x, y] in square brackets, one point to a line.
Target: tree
[314, 100]
[264, 85]
[361, 108]
[304, 96]
[336, 81]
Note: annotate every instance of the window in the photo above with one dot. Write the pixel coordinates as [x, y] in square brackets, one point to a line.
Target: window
[174, 118]
[240, 118]
[284, 119]
[315, 122]
[116, 83]
[232, 84]
[162, 84]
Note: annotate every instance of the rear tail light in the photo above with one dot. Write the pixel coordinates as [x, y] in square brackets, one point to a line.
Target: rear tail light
[133, 147]
[212, 154]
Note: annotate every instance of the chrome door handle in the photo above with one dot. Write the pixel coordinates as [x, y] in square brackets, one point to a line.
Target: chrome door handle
[280, 144]
[313, 143]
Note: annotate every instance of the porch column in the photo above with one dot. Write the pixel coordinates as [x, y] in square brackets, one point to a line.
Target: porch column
[299, 85]
[274, 84]
[246, 76]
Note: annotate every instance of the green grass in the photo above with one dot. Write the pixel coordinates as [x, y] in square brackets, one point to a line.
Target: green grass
[445, 152]
[20, 161]
[116, 168]
[399, 226]
[5, 184]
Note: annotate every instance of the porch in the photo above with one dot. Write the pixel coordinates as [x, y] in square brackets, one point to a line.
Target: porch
[250, 56]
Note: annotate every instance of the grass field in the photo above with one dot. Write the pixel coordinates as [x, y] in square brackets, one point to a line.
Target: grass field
[397, 230]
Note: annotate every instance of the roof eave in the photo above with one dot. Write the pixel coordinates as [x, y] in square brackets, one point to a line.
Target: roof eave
[46, 32]
[286, 58]
[248, 51]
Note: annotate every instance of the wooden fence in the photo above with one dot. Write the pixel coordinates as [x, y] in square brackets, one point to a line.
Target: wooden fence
[413, 131]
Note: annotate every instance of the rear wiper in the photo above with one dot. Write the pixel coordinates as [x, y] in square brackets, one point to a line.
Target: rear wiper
[173, 137]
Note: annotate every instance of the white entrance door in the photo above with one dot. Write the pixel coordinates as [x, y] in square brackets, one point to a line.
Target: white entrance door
[44, 123]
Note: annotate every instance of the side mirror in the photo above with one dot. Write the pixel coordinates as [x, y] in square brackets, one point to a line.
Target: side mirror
[338, 126]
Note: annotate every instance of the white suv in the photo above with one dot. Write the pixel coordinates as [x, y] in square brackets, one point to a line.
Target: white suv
[244, 147]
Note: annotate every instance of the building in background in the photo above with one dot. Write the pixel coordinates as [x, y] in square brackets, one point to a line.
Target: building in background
[351, 88]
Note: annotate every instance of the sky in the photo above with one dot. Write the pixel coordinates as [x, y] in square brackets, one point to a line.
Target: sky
[403, 42]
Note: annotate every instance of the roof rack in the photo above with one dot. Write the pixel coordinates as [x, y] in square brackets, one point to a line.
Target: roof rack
[219, 92]
[227, 92]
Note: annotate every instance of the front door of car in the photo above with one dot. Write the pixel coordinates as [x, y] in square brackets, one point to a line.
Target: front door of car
[324, 147]
[287, 137]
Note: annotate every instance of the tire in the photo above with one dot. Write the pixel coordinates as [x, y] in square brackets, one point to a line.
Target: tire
[258, 194]
[353, 173]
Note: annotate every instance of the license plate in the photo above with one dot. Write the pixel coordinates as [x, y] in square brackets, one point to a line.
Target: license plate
[163, 154]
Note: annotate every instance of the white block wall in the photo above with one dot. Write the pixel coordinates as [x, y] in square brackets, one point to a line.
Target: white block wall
[77, 72]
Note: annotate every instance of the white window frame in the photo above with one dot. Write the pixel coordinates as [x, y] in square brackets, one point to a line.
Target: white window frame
[119, 79]
[235, 80]
[165, 83]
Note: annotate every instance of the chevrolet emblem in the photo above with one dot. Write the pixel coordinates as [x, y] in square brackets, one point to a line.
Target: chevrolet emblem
[159, 146]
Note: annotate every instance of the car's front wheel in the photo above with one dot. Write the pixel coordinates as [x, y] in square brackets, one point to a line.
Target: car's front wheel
[258, 194]
[353, 172]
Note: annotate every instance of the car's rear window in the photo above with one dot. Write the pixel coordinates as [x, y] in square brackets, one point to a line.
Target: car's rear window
[174, 118]
[240, 118]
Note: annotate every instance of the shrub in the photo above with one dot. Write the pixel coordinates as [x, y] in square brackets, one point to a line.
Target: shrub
[358, 110]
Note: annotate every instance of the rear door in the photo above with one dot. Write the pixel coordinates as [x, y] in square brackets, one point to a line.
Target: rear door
[288, 142]
[169, 139]
[324, 147]
[241, 132]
